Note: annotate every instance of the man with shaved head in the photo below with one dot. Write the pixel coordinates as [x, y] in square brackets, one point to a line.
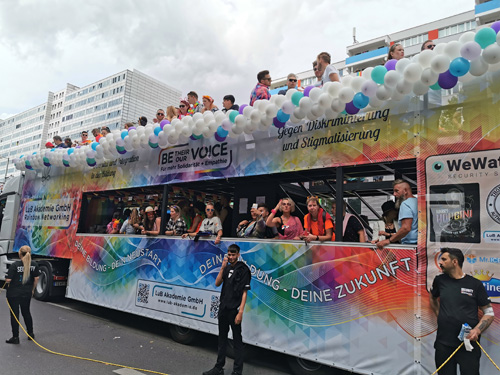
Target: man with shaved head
[408, 216]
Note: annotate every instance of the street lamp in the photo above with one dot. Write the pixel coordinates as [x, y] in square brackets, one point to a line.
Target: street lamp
[6, 168]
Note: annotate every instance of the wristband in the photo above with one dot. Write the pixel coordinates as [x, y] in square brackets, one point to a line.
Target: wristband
[273, 211]
[317, 238]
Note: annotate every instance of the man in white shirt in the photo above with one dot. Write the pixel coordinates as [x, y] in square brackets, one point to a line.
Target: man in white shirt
[330, 73]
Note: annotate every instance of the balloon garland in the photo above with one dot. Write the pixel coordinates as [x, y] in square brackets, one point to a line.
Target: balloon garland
[473, 55]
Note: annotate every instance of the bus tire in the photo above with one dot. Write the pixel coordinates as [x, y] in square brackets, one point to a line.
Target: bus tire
[300, 366]
[183, 335]
[42, 290]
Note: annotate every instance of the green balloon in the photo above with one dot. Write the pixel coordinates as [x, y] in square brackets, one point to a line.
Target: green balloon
[232, 115]
[296, 98]
[378, 74]
[435, 86]
[485, 37]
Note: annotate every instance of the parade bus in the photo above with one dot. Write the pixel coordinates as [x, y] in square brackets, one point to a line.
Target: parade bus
[327, 305]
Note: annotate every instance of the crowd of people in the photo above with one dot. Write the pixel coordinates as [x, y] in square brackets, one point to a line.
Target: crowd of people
[399, 221]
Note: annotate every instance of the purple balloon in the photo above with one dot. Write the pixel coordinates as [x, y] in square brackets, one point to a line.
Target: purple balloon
[307, 90]
[163, 123]
[278, 123]
[391, 64]
[242, 107]
[351, 109]
[132, 127]
[496, 26]
[447, 80]
[219, 138]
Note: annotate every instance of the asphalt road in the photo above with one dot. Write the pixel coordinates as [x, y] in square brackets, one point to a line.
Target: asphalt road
[76, 328]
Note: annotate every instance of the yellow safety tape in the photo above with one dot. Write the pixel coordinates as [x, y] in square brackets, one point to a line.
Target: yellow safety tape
[484, 351]
[75, 356]
[450, 357]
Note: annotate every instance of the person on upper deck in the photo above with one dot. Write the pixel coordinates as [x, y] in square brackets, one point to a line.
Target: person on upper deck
[127, 227]
[408, 215]
[255, 228]
[396, 52]
[428, 44]
[183, 109]
[176, 226]
[228, 104]
[318, 73]
[261, 90]
[330, 73]
[208, 104]
[135, 221]
[199, 210]
[291, 83]
[195, 106]
[210, 225]
[67, 142]
[151, 224]
[226, 215]
[171, 113]
[97, 134]
[289, 227]
[160, 116]
[318, 223]
[85, 139]
[114, 225]
[352, 230]
[386, 227]
[105, 131]
[58, 142]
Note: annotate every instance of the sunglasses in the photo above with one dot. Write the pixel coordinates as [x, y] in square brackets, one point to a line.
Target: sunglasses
[285, 204]
[160, 114]
[313, 196]
[430, 46]
[209, 210]
[182, 106]
[268, 78]
[292, 80]
[315, 69]
[85, 135]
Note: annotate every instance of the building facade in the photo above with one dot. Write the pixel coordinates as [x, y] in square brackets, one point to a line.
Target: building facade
[111, 101]
[374, 52]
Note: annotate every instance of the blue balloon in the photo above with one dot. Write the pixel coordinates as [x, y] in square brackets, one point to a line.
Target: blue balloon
[459, 67]
[282, 116]
[71, 150]
[232, 115]
[360, 100]
[157, 130]
[221, 132]
[124, 133]
[93, 145]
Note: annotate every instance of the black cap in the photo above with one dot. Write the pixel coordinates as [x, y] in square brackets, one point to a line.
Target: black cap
[387, 206]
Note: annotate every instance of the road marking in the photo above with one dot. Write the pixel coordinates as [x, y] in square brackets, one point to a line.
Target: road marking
[127, 371]
[61, 306]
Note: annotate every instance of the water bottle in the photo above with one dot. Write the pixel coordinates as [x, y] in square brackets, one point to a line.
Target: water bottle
[464, 332]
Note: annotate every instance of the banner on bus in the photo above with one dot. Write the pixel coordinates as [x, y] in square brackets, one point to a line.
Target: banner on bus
[311, 301]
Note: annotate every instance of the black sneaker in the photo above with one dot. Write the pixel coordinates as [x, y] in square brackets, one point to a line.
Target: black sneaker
[235, 373]
[31, 336]
[13, 340]
[214, 371]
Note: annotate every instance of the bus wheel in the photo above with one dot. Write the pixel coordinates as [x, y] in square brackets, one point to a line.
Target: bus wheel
[183, 335]
[300, 366]
[42, 290]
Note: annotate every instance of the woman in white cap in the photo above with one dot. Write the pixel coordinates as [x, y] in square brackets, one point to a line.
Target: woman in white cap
[152, 223]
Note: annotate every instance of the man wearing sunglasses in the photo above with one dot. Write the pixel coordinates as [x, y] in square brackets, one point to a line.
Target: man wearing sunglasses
[428, 44]
[261, 90]
[291, 83]
[160, 116]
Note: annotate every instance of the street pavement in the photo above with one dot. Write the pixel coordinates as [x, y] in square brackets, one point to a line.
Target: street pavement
[80, 329]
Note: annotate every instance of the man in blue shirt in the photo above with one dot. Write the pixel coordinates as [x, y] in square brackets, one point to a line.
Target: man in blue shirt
[408, 215]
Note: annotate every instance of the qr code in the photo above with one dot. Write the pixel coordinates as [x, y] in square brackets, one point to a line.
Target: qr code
[214, 307]
[143, 293]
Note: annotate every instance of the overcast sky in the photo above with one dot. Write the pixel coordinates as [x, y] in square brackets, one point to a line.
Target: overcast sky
[214, 47]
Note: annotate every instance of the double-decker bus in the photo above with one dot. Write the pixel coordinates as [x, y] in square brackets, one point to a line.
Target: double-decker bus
[325, 304]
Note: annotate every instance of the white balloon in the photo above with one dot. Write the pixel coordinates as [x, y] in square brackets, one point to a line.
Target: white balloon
[440, 63]
[369, 88]
[197, 116]
[391, 79]
[212, 126]
[289, 94]
[337, 105]
[376, 102]
[237, 130]
[220, 116]
[498, 38]
[346, 94]
[311, 116]
[367, 73]
[199, 125]
[404, 87]
[173, 138]
[412, 73]
[280, 99]
[396, 96]
[478, 67]
[470, 50]
[272, 110]
[452, 49]
[255, 115]
[208, 116]
[299, 113]
[493, 67]
[467, 37]
[383, 93]
[346, 81]
[186, 131]
[305, 104]
[425, 57]
[439, 49]
[317, 110]
[331, 114]
[288, 107]
[293, 120]
[420, 88]
[429, 77]
[240, 120]
[247, 111]
[325, 100]
[356, 83]
[491, 54]
[314, 94]
[402, 64]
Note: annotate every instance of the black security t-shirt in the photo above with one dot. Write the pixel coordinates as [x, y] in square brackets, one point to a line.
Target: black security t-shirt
[459, 303]
[351, 230]
[235, 279]
[15, 274]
